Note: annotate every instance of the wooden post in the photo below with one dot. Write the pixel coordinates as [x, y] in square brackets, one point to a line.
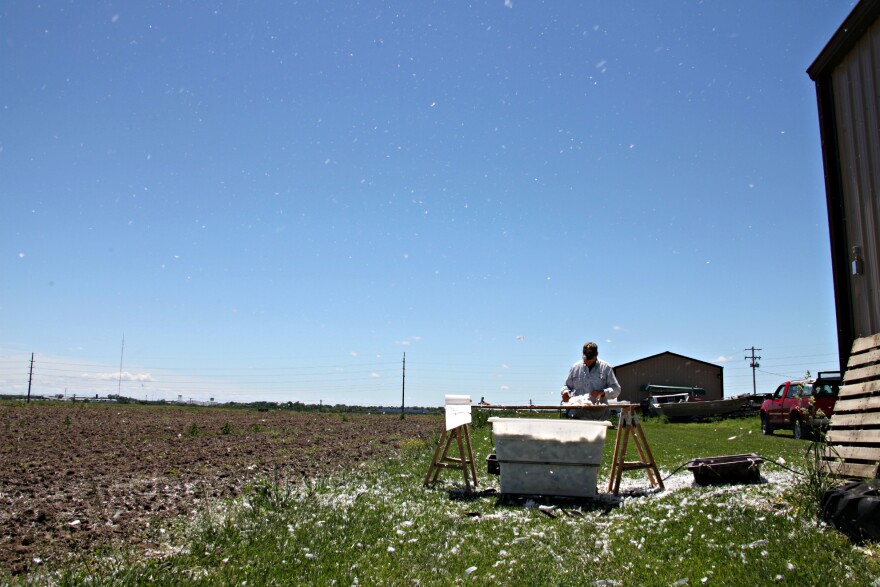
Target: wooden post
[30, 378]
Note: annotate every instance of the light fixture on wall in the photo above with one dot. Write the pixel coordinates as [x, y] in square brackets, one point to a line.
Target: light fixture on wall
[858, 264]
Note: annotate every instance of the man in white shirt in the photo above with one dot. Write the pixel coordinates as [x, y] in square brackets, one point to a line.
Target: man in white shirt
[593, 381]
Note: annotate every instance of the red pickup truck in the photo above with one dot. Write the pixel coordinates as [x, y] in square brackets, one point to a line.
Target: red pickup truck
[803, 405]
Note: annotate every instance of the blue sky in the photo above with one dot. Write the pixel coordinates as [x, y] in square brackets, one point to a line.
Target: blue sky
[277, 200]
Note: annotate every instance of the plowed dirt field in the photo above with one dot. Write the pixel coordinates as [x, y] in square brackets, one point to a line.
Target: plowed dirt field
[75, 476]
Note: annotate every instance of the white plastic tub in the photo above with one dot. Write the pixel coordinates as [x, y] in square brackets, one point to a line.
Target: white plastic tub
[539, 456]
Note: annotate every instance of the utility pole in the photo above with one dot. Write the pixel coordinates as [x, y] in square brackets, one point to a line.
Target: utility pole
[403, 388]
[30, 378]
[754, 365]
[121, 355]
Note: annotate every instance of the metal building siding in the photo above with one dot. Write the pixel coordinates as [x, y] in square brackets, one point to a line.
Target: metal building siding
[668, 369]
[846, 76]
[856, 87]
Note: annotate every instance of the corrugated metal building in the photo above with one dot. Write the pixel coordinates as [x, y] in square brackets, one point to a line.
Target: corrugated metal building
[847, 77]
[668, 370]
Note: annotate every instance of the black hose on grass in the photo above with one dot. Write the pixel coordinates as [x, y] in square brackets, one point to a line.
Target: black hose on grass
[778, 464]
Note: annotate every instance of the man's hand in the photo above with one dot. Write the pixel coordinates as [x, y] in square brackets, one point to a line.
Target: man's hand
[597, 394]
[566, 396]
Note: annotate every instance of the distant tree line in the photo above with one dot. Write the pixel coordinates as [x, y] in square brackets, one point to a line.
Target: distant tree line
[260, 406]
[298, 407]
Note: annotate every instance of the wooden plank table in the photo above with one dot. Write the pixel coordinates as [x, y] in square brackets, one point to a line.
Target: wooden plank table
[628, 428]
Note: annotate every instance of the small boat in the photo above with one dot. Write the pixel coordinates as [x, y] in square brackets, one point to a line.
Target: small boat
[685, 407]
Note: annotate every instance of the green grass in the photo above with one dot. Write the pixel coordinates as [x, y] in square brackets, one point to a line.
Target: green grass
[377, 525]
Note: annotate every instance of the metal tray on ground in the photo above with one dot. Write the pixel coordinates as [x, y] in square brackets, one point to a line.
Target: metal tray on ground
[744, 468]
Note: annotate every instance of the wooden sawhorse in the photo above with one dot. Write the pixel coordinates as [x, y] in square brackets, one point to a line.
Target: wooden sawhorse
[464, 462]
[629, 426]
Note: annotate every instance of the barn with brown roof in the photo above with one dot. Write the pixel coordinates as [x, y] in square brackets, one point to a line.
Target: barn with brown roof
[666, 372]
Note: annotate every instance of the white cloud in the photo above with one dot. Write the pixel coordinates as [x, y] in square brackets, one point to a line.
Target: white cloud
[504, 388]
[504, 366]
[353, 353]
[375, 375]
[521, 338]
[722, 359]
[124, 376]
